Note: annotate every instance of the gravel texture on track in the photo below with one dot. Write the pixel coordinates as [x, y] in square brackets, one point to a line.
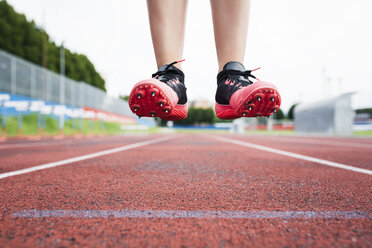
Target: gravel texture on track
[186, 173]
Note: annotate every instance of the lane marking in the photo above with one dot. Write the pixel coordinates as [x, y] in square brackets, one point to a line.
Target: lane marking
[294, 155]
[83, 157]
[33, 144]
[178, 214]
[52, 142]
[321, 142]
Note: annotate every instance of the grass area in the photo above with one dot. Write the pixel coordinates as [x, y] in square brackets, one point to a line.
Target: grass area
[201, 130]
[273, 132]
[150, 130]
[363, 133]
[289, 132]
[29, 126]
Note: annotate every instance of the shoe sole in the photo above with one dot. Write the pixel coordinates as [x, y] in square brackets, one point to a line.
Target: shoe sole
[256, 100]
[152, 98]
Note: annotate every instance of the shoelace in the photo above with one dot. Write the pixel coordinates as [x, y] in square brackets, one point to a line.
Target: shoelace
[246, 74]
[166, 70]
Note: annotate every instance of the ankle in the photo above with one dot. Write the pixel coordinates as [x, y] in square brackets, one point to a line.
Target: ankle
[177, 65]
[222, 63]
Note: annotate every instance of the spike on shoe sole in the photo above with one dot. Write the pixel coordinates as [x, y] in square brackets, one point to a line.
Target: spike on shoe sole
[156, 100]
[258, 99]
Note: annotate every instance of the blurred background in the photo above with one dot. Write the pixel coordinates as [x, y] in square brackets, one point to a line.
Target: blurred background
[67, 67]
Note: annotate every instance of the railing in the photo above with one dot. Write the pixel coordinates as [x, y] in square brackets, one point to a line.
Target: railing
[20, 77]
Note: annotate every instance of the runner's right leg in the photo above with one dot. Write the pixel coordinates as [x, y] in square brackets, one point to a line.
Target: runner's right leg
[165, 94]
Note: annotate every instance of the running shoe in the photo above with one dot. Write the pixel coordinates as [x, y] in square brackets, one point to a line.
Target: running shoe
[163, 95]
[237, 96]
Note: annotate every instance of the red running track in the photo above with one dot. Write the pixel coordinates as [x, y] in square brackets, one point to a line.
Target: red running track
[188, 190]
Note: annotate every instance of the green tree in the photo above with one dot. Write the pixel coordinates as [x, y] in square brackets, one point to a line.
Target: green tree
[279, 115]
[124, 97]
[197, 116]
[364, 111]
[291, 111]
[207, 116]
[24, 39]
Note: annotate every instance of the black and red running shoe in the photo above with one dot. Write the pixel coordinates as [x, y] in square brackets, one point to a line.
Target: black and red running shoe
[163, 95]
[237, 96]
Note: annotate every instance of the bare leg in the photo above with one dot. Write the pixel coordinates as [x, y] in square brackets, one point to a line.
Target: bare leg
[230, 21]
[167, 23]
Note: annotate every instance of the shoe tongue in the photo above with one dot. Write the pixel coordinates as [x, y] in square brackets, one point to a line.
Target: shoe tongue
[234, 66]
[165, 66]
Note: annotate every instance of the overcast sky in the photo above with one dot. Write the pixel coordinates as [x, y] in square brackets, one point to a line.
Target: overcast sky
[309, 49]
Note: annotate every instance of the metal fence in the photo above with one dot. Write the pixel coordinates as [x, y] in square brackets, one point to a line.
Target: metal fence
[20, 77]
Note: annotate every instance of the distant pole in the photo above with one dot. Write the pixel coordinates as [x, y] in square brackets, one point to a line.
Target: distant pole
[19, 123]
[39, 124]
[62, 87]
[324, 84]
[340, 86]
[44, 41]
[44, 120]
[73, 124]
[91, 124]
[44, 53]
[13, 75]
[44, 62]
[61, 123]
[102, 127]
[81, 124]
[329, 83]
[3, 119]
[62, 74]
[44, 49]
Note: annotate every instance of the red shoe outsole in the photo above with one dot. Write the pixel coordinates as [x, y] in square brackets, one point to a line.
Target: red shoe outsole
[258, 99]
[152, 98]
[225, 112]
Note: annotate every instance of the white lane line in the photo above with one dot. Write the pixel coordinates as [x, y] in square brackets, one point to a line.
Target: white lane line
[325, 142]
[39, 144]
[31, 144]
[294, 155]
[83, 157]
[198, 214]
[49, 143]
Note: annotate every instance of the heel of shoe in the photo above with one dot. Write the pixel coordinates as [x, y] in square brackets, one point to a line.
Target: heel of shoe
[179, 112]
[225, 112]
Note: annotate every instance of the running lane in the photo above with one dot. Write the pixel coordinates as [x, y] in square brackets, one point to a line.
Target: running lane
[193, 173]
[20, 155]
[352, 151]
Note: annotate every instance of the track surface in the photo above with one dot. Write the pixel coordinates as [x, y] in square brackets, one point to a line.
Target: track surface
[193, 188]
